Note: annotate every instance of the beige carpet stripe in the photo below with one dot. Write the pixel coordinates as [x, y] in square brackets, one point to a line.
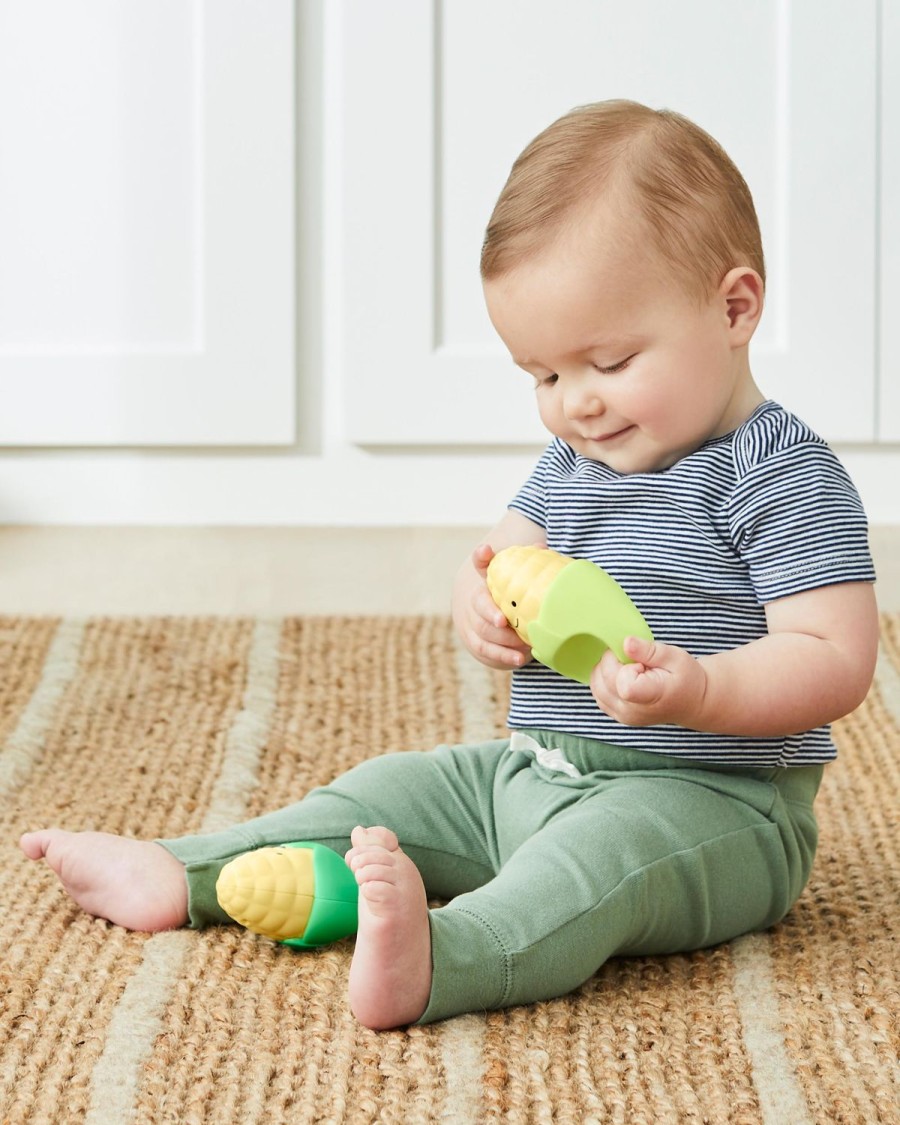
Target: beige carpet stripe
[888, 682]
[462, 1040]
[25, 746]
[138, 1017]
[239, 775]
[134, 1026]
[462, 1058]
[780, 1095]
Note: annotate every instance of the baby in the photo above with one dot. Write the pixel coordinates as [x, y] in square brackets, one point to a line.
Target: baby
[669, 805]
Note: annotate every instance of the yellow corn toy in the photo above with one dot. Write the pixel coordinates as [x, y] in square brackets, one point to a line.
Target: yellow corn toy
[570, 611]
[301, 894]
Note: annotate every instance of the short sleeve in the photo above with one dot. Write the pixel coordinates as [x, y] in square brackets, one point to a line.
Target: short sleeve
[796, 518]
[531, 499]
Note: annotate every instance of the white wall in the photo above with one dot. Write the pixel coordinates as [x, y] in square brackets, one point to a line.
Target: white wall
[323, 479]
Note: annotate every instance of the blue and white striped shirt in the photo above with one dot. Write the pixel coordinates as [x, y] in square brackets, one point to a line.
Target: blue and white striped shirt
[758, 514]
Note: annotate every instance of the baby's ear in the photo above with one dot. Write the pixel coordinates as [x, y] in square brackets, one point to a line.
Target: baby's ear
[743, 292]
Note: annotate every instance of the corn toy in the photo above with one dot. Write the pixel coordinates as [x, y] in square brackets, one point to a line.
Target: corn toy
[301, 894]
[569, 611]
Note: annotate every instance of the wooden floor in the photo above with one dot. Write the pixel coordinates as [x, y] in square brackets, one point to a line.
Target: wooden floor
[62, 570]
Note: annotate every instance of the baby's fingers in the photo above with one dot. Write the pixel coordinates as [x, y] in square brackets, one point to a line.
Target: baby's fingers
[489, 612]
[481, 556]
[498, 654]
[637, 684]
[496, 644]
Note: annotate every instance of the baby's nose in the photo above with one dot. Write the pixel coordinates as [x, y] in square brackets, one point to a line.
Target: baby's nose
[582, 400]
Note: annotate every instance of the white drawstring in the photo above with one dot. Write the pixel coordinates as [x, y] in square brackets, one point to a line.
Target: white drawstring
[553, 759]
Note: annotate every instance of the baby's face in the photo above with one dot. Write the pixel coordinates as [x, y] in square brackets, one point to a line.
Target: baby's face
[629, 369]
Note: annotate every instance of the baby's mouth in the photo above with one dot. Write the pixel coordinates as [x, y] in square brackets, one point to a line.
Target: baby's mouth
[612, 435]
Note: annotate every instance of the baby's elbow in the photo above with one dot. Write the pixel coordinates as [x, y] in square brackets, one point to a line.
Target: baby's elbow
[859, 673]
[856, 695]
[864, 684]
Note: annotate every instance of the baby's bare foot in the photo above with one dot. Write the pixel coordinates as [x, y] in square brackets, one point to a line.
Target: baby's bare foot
[390, 976]
[134, 883]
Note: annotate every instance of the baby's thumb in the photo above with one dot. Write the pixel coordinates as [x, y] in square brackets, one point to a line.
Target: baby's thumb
[643, 652]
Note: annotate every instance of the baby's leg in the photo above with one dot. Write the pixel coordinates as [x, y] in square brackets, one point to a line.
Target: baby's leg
[646, 866]
[134, 883]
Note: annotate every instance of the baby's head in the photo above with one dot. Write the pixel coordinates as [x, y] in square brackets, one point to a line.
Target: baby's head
[667, 178]
[623, 270]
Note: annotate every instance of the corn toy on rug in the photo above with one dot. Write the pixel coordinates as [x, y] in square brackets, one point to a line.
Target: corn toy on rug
[163, 726]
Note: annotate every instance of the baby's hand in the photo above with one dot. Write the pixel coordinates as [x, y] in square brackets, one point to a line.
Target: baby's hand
[480, 622]
[665, 684]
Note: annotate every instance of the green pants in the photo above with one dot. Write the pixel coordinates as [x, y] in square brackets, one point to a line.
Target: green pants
[551, 873]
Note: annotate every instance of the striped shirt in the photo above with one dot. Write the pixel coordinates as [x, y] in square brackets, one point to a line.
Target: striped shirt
[763, 512]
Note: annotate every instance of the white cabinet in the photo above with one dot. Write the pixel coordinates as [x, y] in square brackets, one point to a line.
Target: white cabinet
[149, 200]
[431, 102]
[146, 222]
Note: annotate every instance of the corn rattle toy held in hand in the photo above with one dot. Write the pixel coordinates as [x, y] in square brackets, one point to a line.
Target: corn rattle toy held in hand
[569, 611]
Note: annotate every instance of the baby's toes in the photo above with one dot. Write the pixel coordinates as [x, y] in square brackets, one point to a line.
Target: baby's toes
[371, 865]
[376, 836]
[378, 888]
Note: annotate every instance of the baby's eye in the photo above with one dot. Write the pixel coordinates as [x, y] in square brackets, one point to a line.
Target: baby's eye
[620, 366]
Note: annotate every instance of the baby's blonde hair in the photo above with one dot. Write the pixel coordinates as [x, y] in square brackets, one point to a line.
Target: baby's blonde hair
[680, 182]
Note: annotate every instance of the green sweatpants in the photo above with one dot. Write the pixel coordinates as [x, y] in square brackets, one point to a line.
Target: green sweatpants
[550, 873]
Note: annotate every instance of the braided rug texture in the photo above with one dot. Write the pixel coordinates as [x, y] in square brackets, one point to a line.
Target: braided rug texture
[163, 726]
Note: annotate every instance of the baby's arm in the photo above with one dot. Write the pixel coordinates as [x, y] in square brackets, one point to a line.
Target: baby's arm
[481, 625]
[814, 666]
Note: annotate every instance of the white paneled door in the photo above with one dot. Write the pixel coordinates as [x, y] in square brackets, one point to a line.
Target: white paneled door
[432, 101]
[146, 222]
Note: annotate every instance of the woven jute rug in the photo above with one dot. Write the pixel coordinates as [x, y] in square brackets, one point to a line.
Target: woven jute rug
[161, 726]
